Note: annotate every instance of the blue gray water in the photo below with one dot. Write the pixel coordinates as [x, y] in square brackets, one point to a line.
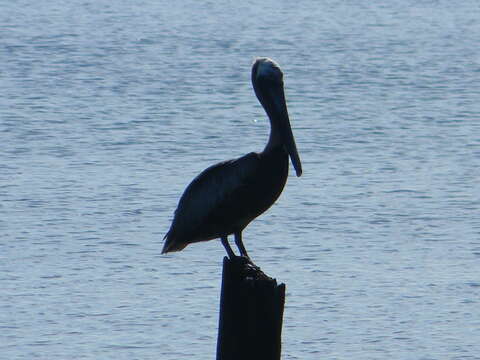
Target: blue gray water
[109, 109]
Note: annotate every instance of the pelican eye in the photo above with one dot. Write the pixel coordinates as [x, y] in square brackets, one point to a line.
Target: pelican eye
[270, 72]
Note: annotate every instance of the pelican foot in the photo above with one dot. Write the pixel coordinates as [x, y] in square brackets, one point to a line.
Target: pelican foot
[241, 259]
[245, 263]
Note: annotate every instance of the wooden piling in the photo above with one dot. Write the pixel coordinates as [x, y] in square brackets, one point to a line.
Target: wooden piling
[251, 313]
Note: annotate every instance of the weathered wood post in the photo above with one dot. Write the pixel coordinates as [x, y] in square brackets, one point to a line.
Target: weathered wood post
[251, 313]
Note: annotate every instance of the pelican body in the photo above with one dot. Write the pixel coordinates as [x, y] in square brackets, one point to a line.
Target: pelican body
[227, 196]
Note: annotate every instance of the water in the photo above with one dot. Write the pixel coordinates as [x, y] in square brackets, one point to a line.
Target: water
[108, 110]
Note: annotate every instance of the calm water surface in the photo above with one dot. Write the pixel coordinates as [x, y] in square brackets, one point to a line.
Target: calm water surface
[109, 109]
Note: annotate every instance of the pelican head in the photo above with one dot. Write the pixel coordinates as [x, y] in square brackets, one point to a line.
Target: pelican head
[267, 80]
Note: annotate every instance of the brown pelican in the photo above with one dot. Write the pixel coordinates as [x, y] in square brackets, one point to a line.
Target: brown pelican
[227, 196]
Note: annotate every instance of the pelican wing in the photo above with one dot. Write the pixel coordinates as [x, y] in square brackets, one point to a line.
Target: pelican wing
[208, 192]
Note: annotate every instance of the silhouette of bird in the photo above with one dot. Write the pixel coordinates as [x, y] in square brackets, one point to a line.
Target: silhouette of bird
[226, 197]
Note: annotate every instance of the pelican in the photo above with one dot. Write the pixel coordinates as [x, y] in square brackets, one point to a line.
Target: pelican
[227, 196]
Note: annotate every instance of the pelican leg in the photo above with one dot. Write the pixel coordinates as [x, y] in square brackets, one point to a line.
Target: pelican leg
[227, 247]
[239, 243]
